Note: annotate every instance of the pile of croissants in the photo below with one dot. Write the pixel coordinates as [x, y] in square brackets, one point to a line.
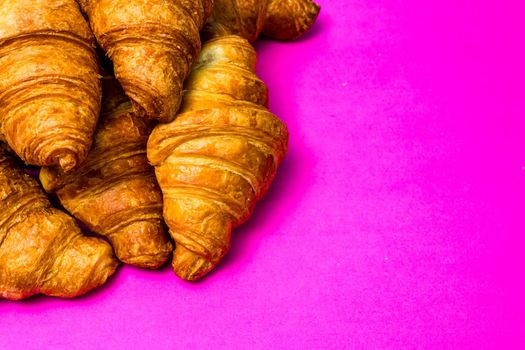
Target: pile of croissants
[161, 153]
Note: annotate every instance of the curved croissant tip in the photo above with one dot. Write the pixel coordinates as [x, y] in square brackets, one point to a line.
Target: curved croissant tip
[147, 261]
[312, 10]
[67, 161]
[291, 19]
[188, 265]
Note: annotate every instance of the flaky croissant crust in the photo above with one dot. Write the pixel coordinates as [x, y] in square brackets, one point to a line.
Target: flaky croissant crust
[218, 157]
[114, 192]
[152, 45]
[49, 83]
[277, 19]
[41, 248]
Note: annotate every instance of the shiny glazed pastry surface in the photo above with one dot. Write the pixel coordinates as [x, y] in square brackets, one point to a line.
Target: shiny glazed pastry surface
[277, 19]
[41, 248]
[49, 83]
[114, 192]
[218, 157]
[152, 45]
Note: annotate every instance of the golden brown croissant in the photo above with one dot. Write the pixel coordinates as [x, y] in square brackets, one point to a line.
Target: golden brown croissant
[41, 248]
[49, 83]
[114, 192]
[277, 19]
[152, 45]
[218, 157]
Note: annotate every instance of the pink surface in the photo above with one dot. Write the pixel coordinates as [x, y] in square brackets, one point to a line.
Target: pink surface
[393, 223]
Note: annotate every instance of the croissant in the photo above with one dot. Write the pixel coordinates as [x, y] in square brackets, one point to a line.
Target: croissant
[114, 192]
[49, 83]
[152, 45]
[277, 19]
[218, 157]
[41, 248]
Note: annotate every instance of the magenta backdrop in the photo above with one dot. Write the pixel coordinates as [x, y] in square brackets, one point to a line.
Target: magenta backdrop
[396, 220]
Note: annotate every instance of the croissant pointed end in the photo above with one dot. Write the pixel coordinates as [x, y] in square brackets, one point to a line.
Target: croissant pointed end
[188, 265]
[87, 264]
[152, 261]
[312, 13]
[67, 161]
[143, 244]
[279, 25]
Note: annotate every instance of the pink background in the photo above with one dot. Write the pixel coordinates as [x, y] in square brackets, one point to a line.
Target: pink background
[393, 223]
